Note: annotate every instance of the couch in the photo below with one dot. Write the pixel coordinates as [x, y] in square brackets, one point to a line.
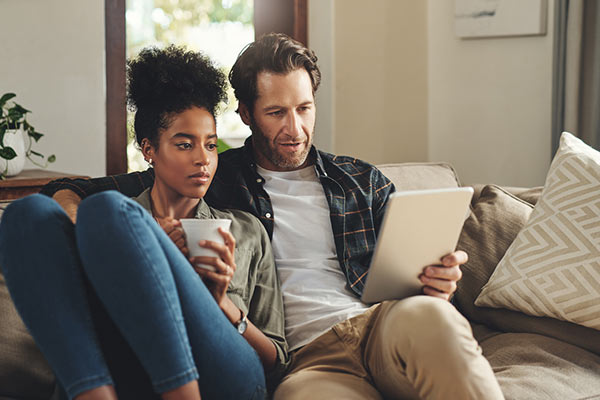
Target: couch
[532, 357]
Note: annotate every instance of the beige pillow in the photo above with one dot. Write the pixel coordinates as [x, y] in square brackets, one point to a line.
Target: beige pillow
[496, 218]
[553, 267]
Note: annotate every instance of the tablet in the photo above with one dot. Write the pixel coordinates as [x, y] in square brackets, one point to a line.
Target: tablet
[419, 228]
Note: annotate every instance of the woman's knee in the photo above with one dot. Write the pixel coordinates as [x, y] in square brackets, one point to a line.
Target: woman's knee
[31, 211]
[30, 220]
[101, 204]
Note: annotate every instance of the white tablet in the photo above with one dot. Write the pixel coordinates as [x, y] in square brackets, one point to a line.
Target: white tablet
[419, 228]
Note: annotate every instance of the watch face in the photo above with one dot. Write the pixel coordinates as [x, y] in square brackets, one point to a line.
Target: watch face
[242, 326]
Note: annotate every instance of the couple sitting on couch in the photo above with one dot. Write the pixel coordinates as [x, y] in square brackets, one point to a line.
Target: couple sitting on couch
[178, 328]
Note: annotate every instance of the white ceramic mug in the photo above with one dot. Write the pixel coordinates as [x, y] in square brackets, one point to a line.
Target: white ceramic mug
[203, 229]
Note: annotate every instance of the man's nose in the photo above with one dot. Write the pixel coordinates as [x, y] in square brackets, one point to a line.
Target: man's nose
[294, 124]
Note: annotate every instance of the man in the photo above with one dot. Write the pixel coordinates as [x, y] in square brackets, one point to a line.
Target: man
[323, 213]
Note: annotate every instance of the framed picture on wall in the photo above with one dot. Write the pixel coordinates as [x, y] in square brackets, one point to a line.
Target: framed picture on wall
[497, 18]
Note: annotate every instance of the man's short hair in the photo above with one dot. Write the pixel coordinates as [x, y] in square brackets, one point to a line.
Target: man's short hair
[273, 52]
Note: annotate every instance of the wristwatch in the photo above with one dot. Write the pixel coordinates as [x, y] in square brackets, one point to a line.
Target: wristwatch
[242, 324]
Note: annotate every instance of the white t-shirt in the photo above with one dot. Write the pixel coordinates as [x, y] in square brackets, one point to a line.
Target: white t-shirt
[315, 294]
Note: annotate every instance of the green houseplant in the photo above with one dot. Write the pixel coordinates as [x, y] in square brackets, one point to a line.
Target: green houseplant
[13, 126]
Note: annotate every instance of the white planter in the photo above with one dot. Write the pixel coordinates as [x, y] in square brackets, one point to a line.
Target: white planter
[14, 138]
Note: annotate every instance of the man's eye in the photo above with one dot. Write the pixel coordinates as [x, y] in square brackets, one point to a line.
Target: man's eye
[276, 113]
[184, 146]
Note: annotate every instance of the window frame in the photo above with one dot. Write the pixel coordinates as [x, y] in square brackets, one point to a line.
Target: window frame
[287, 16]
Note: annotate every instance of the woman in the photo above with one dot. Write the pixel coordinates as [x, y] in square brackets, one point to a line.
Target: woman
[113, 301]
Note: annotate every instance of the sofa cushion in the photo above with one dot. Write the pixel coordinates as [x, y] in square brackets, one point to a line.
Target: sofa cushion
[417, 176]
[495, 221]
[24, 373]
[530, 366]
[553, 266]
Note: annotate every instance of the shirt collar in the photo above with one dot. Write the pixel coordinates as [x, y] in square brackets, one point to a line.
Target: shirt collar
[202, 211]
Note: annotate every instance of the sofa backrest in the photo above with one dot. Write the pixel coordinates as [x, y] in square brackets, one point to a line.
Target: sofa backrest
[417, 176]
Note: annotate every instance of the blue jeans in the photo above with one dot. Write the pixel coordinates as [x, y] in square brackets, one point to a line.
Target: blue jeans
[150, 297]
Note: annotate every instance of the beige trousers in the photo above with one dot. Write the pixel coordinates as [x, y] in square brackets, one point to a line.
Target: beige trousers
[419, 347]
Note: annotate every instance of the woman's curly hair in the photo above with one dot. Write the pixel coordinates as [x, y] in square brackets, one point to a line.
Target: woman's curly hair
[165, 82]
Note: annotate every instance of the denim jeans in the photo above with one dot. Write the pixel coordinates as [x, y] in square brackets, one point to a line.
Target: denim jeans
[163, 312]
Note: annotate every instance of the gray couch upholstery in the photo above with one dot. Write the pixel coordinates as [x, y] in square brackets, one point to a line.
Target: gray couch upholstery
[532, 357]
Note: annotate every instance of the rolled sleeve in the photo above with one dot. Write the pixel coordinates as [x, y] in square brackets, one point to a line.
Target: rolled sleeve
[266, 307]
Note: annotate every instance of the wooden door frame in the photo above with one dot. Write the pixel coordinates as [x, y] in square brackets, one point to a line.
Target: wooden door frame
[287, 16]
[116, 106]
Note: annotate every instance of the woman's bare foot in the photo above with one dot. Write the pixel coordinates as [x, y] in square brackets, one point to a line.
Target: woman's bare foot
[189, 391]
[106, 392]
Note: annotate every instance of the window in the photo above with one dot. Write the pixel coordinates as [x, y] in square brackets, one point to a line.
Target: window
[217, 28]
[287, 16]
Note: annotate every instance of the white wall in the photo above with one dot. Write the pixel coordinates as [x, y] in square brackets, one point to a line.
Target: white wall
[52, 56]
[490, 102]
[405, 88]
[373, 56]
[321, 39]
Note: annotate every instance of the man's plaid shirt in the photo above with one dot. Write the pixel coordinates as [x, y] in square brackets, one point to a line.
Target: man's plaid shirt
[356, 191]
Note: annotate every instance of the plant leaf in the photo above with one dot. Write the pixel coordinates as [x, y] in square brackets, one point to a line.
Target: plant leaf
[52, 158]
[6, 97]
[35, 135]
[36, 153]
[7, 153]
[222, 146]
[20, 109]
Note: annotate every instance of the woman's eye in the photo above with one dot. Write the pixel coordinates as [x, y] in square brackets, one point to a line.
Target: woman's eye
[184, 146]
[211, 146]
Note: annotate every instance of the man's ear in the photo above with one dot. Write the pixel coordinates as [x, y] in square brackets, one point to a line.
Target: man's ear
[147, 150]
[244, 114]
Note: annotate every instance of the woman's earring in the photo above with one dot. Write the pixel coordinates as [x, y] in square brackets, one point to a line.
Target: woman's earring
[150, 162]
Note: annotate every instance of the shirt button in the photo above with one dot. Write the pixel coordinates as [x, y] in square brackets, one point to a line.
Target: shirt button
[268, 215]
[259, 180]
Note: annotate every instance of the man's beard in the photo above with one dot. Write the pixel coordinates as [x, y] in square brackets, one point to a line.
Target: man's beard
[269, 151]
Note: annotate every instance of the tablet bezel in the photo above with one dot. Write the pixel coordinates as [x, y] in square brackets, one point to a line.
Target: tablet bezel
[419, 228]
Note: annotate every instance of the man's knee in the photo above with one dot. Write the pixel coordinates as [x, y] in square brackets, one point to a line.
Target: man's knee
[326, 386]
[421, 320]
[423, 310]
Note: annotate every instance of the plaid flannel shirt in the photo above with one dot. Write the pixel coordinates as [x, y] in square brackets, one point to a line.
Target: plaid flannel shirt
[356, 191]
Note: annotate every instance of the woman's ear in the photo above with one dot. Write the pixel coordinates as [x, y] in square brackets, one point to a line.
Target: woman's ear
[244, 114]
[147, 150]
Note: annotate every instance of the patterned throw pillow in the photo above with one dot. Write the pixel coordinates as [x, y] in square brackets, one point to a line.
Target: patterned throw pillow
[553, 266]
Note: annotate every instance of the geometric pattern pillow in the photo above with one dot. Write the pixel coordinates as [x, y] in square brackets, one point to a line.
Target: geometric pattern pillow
[553, 267]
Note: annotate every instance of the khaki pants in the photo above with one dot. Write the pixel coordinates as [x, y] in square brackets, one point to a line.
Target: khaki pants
[419, 347]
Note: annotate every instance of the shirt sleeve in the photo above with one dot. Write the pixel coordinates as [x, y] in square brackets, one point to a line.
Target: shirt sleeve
[266, 306]
[130, 185]
[383, 188]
